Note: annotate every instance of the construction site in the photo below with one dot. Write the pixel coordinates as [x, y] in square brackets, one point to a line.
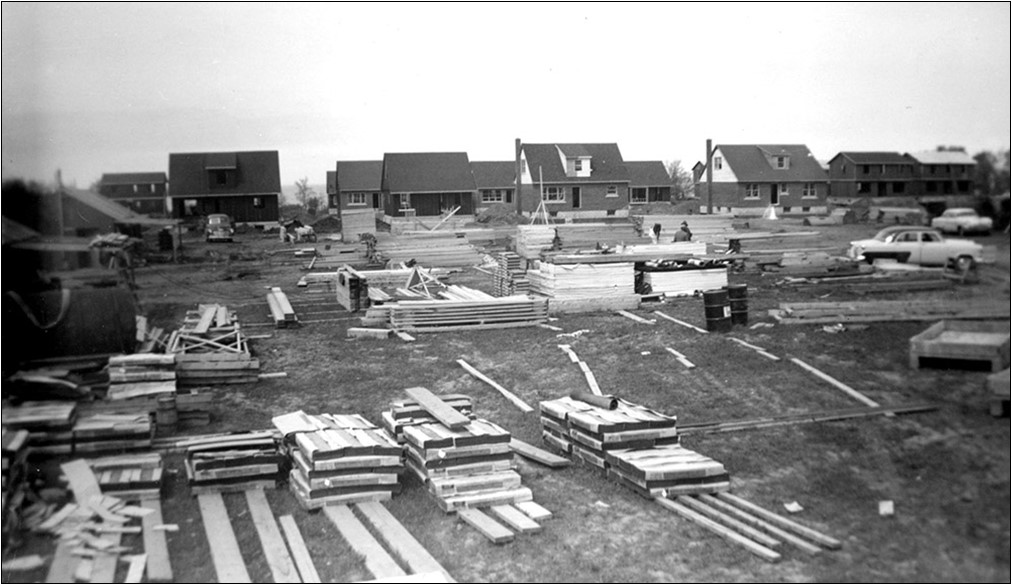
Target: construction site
[516, 401]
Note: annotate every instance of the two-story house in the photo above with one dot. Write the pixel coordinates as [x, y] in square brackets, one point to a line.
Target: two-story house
[359, 184]
[495, 181]
[648, 182]
[748, 178]
[426, 184]
[943, 172]
[244, 185]
[142, 192]
[574, 180]
[872, 174]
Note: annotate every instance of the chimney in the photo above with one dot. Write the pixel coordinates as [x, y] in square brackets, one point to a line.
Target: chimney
[516, 168]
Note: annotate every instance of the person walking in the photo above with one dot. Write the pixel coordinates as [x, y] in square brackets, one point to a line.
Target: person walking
[683, 234]
[657, 233]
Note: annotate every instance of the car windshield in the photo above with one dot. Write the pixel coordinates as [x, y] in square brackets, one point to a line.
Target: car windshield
[217, 220]
[960, 213]
[889, 231]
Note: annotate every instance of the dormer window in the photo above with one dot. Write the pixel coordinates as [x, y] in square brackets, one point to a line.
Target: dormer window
[578, 165]
[782, 162]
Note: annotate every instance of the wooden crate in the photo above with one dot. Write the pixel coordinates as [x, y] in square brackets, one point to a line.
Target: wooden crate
[968, 341]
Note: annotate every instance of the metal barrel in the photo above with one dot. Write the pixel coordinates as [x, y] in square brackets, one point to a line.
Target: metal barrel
[717, 310]
[737, 295]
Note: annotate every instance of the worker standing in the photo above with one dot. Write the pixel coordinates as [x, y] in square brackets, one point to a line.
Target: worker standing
[657, 233]
[683, 234]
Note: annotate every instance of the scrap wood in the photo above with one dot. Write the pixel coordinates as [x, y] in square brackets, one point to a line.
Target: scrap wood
[792, 419]
[506, 393]
[486, 525]
[377, 559]
[636, 318]
[753, 520]
[681, 358]
[536, 454]
[300, 554]
[786, 523]
[757, 349]
[401, 542]
[440, 410]
[703, 508]
[680, 322]
[720, 530]
[847, 389]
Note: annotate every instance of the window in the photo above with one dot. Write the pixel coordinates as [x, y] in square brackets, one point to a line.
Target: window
[493, 196]
[899, 187]
[578, 165]
[963, 186]
[783, 189]
[523, 166]
[883, 169]
[189, 207]
[808, 191]
[356, 199]
[638, 195]
[718, 162]
[843, 168]
[864, 187]
[405, 200]
[781, 162]
[931, 187]
[865, 169]
[787, 209]
[151, 188]
[554, 195]
[612, 191]
[258, 202]
[806, 209]
[752, 191]
[135, 188]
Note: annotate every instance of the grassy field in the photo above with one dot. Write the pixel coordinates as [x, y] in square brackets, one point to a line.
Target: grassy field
[947, 470]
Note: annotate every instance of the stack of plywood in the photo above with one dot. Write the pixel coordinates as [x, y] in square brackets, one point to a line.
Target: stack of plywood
[582, 281]
[531, 240]
[210, 348]
[233, 462]
[433, 249]
[139, 375]
[456, 315]
[679, 278]
[339, 459]
[509, 276]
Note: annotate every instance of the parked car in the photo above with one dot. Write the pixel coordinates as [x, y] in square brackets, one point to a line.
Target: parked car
[218, 228]
[916, 245]
[962, 220]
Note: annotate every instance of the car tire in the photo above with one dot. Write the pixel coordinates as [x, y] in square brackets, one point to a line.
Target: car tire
[963, 263]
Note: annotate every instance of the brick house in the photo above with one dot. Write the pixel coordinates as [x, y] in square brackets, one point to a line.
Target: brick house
[426, 184]
[495, 181]
[748, 178]
[359, 184]
[142, 192]
[245, 185]
[648, 182]
[574, 180]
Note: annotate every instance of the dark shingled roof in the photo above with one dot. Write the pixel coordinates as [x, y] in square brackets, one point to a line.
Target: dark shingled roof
[606, 164]
[132, 178]
[15, 232]
[427, 172]
[359, 175]
[648, 173]
[875, 158]
[749, 163]
[494, 174]
[257, 172]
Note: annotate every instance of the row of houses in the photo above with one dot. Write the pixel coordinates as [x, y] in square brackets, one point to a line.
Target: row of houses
[572, 180]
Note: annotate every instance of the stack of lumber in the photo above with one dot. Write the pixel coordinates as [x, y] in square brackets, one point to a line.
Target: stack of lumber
[129, 476]
[532, 240]
[102, 432]
[282, 312]
[435, 249]
[15, 453]
[679, 278]
[339, 459]
[636, 253]
[582, 281]
[666, 470]
[355, 222]
[234, 462]
[593, 235]
[877, 311]
[210, 348]
[141, 375]
[456, 315]
[813, 264]
[406, 412]
[509, 276]
[49, 425]
[704, 228]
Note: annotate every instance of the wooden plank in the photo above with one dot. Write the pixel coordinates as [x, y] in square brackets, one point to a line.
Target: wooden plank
[159, 567]
[715, 514]
[516, 519]
[847, 389]
[206, 319]
[303, 560]
[509, 395]
[636, 318]
[813, 535]
[228, 562]
[82, 480]
[400, 541]
[484, 524]
[680, 322]
[367, 332]
[537, 454]
[681, 358]
[721, 531]
[282, 567]
[440, 410]
[103, 568]
[377, 560]
[135, 572]
[534, 511]
[64, 564]
[793, 419]
[761, 524]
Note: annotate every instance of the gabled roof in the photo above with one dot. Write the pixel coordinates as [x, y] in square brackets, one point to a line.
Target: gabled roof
[16, 232]
[648, 173]
[942, 157]
[359, 175]
[606, 164]
[132, 178]
[875, 158]
[257, 172]
[494, 174]
[117, 213]
[749, 162]
[422, 172]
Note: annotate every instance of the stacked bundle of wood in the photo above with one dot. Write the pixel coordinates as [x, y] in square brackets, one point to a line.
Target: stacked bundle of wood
[679, 278]
[593, 235]
[210, 348]
[812, 265]
[49, 425]
[878, 311]
[129, 477]
[15, 452]
[704, 228]
[582, 281]
[435, 249]
[355, 222]
[339, 459]
[509, 276]
[234, 462]
[408, 411]
[98, 433]
[141, 375]
[282, 312]
[532, 240]
[667, 470]
[457, 315]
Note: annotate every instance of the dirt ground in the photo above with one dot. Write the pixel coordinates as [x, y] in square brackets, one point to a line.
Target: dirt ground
[947, 471]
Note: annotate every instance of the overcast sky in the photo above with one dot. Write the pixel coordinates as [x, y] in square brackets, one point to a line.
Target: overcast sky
[92, 88]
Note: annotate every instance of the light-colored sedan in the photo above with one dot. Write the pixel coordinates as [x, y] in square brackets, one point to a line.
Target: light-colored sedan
[962, 220]
[917, 245]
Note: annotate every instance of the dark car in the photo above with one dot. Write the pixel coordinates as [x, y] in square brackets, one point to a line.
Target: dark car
[218, 228]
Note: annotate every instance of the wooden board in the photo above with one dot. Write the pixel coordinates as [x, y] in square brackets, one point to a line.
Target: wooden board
[303, 560]
[435, 406]
[785, 523]
[720, 530]
[539, 455]
[699, 506]
[399, 540]
[377, 560]
[228, 561]
[488, 527]
[515, 519]
[82, 480]
[534, 511]
[282, 567]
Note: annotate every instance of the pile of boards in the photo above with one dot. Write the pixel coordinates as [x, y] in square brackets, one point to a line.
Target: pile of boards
[339, 459]
[141, 375]
[682, 277]
[435, 248]
[15, 472]
[703, 228]
[582, 281]
[531, 240]
[633, 444]
[878, 311]
[233, 462]
[55, 427]
[133, 476]
[813, 265]
[282, 312]
[211, 348]
[456, 315]
[509, 275]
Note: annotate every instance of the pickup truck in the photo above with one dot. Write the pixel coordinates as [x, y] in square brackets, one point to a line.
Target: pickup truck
[961, 220]
[916, 245]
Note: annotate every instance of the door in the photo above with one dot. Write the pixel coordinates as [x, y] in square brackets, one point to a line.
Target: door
[576, 197]
[774, 194]
[375, 200]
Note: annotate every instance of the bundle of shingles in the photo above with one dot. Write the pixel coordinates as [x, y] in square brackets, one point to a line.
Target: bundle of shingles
[233, 462]
[510, 276]
[635, 445]
[15, 454]
[339, 459]
[210, 348]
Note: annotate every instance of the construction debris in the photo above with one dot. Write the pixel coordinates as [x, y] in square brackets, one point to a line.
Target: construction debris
[879, 311]
[233, 462]
[210, 348]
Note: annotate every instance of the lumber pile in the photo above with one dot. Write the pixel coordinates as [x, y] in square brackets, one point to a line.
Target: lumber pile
[682, 277]
[56, 428]
[878, 311]
[455, 315]
[233, 462]
[339, 459]
[666, 470]
[532, 240]
[15, 473]
[966, 343]
[129, 477]
[282, 312]
[210, 348]
[408, 411]
[510, 275]
[434, 248]
[812, 265]
[582, 281]
[704, 228]
[141, 375]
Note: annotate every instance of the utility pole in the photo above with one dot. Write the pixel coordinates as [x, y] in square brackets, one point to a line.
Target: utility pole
[520, 208]
[709, 176]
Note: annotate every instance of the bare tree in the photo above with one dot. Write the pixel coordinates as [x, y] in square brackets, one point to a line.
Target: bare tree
[303, 192]
[681, 180]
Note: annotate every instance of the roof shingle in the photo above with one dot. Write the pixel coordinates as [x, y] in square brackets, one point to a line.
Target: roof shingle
[359, 175]
[649, 173]
[749, 163]
[606, 164]
[494, 174]
[433, 172]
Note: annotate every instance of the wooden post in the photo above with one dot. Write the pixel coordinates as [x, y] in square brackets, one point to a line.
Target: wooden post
[518, 179]
[709, 176]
